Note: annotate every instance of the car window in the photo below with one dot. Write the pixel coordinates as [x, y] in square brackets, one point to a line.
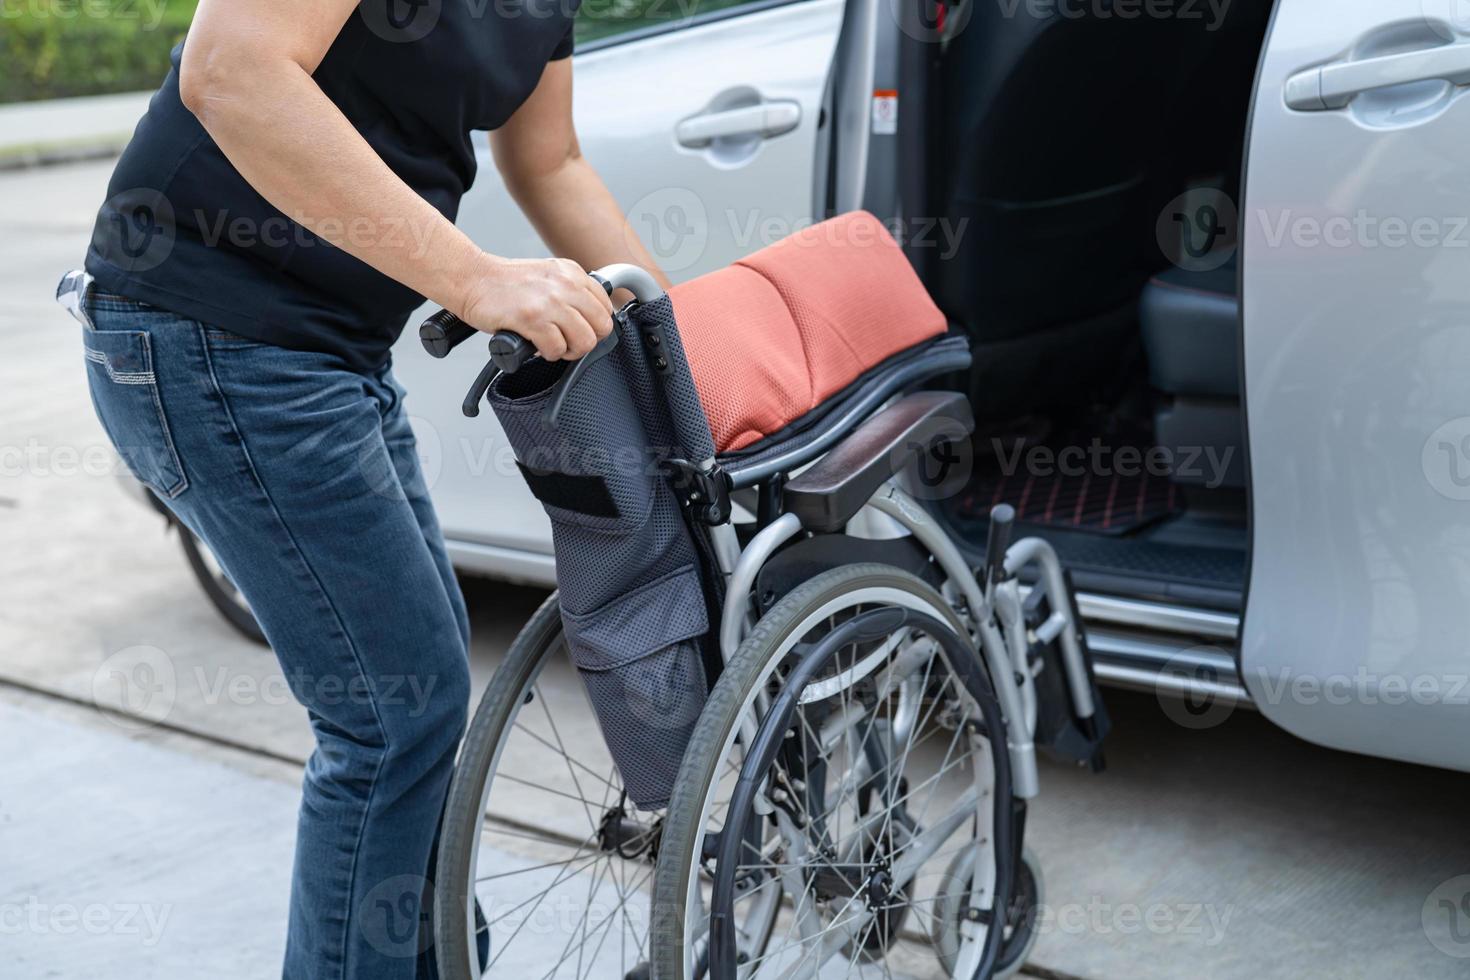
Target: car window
[601, 20]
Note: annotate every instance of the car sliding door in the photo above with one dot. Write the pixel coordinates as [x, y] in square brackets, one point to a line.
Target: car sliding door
[703, 119]
[1356, 299]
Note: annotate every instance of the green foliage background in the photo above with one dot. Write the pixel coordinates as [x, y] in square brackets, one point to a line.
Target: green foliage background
[56, 48]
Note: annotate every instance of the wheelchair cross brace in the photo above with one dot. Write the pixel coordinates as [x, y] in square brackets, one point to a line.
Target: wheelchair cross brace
[993, 607]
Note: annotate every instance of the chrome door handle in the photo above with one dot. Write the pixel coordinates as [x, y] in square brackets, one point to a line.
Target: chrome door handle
[762, 120]
[1334, 86]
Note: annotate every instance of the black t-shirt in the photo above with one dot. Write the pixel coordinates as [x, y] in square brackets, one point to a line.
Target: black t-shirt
[182, 230]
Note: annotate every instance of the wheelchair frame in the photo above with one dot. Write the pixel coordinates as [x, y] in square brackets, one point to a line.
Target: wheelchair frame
[990, 602]
[995, 612]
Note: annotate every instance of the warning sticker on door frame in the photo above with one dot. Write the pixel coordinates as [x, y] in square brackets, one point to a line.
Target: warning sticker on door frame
[885, 112]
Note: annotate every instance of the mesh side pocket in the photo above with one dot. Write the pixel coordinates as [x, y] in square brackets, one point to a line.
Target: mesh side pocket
[628, 569]
[600, 439]
[640, 661]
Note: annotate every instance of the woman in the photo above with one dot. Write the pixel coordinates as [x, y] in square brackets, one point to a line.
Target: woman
[284, 206]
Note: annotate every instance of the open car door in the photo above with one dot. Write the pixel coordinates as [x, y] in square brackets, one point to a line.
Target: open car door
[708, 131]
[1356, 309]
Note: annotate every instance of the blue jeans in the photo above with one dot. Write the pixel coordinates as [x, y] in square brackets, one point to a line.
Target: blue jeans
[302, 477]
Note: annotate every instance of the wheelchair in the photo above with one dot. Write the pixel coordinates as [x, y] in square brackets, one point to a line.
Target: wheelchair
[776, 722]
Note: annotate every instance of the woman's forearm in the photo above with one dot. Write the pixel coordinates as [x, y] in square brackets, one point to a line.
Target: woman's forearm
[576, 216]
[537, 154]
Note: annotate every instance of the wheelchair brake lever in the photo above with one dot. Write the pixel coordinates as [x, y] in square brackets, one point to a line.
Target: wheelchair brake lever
[580, 366]
[473, 397]
[508, 352]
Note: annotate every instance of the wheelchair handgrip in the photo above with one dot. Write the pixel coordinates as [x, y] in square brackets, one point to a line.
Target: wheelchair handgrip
[443, 332]
[509, 350]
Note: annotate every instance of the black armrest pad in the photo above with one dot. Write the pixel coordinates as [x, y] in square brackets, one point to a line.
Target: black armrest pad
[836, 487]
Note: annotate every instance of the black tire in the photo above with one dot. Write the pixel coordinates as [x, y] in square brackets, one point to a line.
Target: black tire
[505, 761]
[1025, 913]
[463, 819]
[683, 838]
[217, 586]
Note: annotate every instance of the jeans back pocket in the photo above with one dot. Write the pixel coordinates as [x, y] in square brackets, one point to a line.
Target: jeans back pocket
[125, 394]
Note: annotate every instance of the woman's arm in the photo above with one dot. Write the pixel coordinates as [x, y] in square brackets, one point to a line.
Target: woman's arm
[538, 157]
[246, 74]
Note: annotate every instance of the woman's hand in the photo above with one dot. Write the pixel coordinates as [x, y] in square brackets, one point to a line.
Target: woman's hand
[552, 303]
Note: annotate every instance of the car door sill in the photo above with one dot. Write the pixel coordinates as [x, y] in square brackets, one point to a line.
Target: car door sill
[1166, 664]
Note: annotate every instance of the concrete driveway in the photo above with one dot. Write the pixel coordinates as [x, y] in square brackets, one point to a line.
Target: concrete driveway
[1230, 851]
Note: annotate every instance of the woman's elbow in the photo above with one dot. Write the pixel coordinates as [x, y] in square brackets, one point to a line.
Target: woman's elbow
[213, 79]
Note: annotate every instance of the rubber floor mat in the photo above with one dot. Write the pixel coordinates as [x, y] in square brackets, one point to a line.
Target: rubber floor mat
[1112, 504]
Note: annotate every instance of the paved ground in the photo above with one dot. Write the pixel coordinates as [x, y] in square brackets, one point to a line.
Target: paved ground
[1227, 852]
[61, 129]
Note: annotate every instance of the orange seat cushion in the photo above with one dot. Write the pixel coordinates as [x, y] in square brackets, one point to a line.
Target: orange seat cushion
[774, 335]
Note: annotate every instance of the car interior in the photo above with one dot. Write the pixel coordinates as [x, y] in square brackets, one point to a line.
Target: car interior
[1056, 147]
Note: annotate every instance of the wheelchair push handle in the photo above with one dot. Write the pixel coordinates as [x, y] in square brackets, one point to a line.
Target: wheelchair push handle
[509, 351]
[443, 332]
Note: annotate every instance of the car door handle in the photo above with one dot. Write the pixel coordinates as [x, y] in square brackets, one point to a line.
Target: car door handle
[762, 120]
[1334, 86]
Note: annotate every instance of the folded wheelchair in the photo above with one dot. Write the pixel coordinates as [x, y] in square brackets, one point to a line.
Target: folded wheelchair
[803, 727]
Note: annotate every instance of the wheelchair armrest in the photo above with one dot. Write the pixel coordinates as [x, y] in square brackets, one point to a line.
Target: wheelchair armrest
[836, 487]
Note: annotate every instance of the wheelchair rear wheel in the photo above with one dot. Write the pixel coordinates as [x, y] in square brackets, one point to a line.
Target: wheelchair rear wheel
[877, 776]
[544, 868]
